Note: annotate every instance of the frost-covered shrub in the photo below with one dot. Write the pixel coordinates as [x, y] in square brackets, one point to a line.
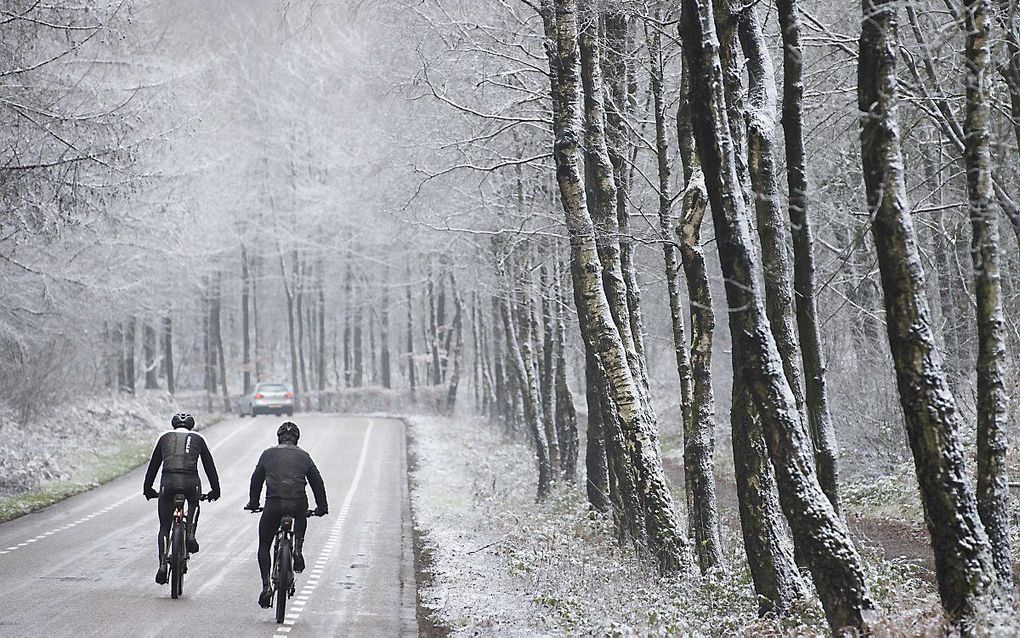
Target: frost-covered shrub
[376, 399]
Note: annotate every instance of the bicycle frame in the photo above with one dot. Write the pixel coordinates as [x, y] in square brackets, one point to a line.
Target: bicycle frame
[177, 553]
[282, 572]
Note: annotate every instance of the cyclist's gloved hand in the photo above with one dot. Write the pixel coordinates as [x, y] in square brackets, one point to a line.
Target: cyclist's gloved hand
[150, 493]
[321, 510]
[213, 495]
[251, 506]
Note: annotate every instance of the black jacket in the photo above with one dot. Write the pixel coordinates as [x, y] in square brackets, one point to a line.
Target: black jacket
[285, 469]
[178, 451]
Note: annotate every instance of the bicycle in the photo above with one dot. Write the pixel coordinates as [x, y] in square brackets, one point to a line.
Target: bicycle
[282, 573]
[177, 546]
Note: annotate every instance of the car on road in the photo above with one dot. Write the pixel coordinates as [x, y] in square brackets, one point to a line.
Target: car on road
[267, 398]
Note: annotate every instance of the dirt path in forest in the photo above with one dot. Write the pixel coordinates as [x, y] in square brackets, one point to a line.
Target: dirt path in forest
[898, 540]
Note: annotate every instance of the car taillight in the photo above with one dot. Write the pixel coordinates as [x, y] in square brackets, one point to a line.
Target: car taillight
[259, 395]
[289, 395]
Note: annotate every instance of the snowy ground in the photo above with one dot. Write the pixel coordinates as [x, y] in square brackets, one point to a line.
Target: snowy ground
[75, 446]
[502, 564]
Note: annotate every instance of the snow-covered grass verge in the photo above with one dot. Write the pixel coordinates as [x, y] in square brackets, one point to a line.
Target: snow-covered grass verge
[500, 563]
[76, 447]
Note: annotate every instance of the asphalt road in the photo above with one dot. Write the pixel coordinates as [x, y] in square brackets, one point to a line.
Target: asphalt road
[85, 566]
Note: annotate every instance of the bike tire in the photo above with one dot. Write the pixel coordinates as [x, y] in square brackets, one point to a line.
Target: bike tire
[177, 558]
[284, 574]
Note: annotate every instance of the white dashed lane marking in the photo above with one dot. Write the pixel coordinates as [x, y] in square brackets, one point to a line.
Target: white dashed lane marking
[327, 550]
[106, 509]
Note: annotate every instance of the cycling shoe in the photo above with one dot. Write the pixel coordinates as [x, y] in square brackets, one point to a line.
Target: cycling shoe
[266, 598]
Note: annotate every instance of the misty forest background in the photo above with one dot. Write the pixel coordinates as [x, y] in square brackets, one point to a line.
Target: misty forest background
[555, 214]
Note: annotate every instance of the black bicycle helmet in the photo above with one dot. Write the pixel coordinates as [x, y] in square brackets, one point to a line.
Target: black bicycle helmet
[183, 420]
[289, 430]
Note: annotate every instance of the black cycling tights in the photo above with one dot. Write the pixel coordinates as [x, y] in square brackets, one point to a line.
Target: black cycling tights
[166, 509]
[269, 524]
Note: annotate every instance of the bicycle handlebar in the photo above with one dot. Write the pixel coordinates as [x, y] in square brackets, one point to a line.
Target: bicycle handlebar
[308, 514]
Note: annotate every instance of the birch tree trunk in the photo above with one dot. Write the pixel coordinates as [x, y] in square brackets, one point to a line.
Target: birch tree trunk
[698, 442]
[547, 372]
[596, 462]
[666, 538]
[819, 420]
[992, 399]
[963, 559]
[616, 60]
[766, 543]
[761, 162]
[457, 347]
[519, 353]
[819, 532]
[566, 415]
[699, 428]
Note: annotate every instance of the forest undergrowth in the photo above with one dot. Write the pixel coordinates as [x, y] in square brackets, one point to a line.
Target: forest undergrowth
[504, 563]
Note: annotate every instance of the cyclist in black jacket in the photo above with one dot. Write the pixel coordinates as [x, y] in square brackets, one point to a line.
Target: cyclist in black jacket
[178, 451]
[285, 469]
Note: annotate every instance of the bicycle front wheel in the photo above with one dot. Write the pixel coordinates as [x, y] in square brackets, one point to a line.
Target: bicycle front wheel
[177, 558]
[284, 576]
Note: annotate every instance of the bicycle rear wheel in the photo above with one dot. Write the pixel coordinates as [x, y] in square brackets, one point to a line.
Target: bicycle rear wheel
[177, 558]
[284, 575]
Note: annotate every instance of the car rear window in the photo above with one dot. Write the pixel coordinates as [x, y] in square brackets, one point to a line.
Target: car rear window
[272, 387]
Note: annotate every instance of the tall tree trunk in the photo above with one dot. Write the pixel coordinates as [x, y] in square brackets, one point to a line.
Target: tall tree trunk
[596, 462]
[348, 304]
[963, 559]
[519, 351]
[384, 335]
[321, 289]
[255, 271]
[434, 370]
[565, 415]
[819, 420]
[411, 381]
[245, 336]
[207, 366]
[819, 532]
[299, 309]
[358, 343]
[617, 56]
[149, 356]
[698, 442]
[992, 399]
[117, 339]
[289, 291]
[699, 426]
[667, 540]
[764, 174]
[218, 336]
[547, 373]
[168, 353]
[129, 355]
[766, 542]
[456, 348]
